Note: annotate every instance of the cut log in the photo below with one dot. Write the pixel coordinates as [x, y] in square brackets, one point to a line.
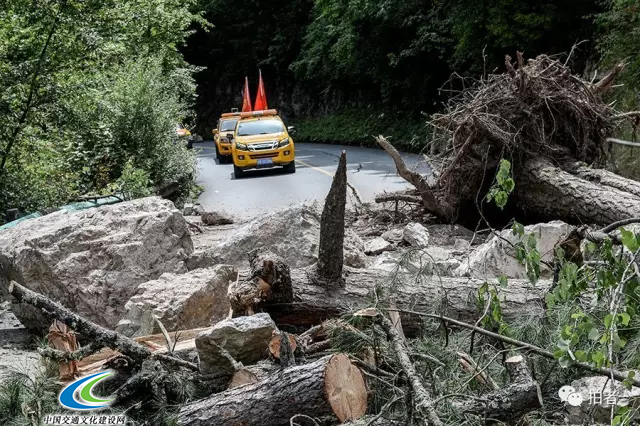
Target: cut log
[331, 246]
[548, 192]
[512, 402]
[455, 297]
[253, 373]
[330, 386]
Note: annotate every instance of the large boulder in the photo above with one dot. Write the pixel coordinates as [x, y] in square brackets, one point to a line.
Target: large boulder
[93, 261]
[246, 339]
[292, 233]
[497, 255]
[180, 301]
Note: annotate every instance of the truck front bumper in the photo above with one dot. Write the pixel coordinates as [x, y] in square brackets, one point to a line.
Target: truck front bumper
[247, 160]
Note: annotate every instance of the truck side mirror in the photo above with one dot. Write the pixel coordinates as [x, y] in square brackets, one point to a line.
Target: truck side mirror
[214, 131]
[230, 136]
[291, 129]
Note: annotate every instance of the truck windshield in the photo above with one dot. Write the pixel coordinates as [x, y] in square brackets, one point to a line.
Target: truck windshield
[260, 127]
[228, 125]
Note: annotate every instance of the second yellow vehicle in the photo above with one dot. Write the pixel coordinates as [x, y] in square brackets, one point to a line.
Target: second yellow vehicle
[261, 140]
[226, 125]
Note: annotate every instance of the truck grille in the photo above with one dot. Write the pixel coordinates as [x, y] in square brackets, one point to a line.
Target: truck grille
[262, 146]
[269, 155]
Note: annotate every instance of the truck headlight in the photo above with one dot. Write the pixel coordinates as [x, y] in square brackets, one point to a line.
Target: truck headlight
[241, 147]
[283, 142]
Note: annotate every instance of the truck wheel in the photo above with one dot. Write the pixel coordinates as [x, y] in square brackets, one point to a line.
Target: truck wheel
[218, 156]
[237, 172]
[290, 168]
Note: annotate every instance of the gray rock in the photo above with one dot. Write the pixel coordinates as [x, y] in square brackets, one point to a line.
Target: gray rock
[292, 233]
[215, 218]
[202, 259]
[377, 246]
[188, 209]
[354, 250]
[460, 244]
[246, 339]
[416, 235]
[93, 261]
[496, 256]
[394, 235]
[181, 302]
[198, 210]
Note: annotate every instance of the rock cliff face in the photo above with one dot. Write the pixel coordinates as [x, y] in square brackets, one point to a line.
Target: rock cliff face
[93, 261]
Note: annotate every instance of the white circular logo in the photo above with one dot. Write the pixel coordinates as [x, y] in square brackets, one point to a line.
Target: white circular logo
[574, 399]
[564, 392]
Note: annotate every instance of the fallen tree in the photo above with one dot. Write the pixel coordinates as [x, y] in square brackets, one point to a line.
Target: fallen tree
[330, 386]
[542, 119]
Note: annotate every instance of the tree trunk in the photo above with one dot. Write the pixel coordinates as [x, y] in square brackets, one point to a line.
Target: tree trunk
[270, 280]
[512, 402]
[331, 246]
[607, 178]
[314, 303]
[329, 386]
[547, 192]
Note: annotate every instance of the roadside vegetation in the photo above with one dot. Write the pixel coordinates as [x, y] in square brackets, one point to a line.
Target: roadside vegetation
[90, 94]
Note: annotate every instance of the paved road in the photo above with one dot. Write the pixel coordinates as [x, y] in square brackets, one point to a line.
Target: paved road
[370, 171]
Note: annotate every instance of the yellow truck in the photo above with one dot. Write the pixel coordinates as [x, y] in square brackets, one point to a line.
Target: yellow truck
[261, 140]
[184, 134]
[226, 125]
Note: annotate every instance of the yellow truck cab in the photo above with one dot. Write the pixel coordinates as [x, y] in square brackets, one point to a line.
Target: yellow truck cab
[226, 124]
[261, 140]
[184, 134]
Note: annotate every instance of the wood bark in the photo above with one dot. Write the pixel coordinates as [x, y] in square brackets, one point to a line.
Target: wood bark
[548, 192]
[429, 199]
[92, 331]
[331, 246]
[312, 303]
[512, 402]
[270, 280]
[421, 396]
[330, 386]
[607, 178]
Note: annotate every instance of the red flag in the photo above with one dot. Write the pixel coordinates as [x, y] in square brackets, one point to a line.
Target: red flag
[261, 97]
[246, 99]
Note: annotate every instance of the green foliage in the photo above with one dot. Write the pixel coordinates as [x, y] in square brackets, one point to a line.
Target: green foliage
[86, 86]
[620, 42]
[598, 333]
[503, 185]
[526, 252]
[354, 126]
[26, 398]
